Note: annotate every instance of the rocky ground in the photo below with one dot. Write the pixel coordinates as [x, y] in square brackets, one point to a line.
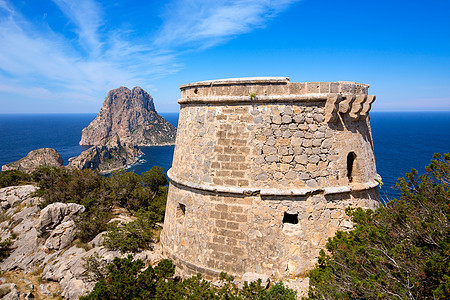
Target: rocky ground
[46, 261]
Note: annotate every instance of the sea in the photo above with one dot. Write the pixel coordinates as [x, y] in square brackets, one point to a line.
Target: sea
[402, 140]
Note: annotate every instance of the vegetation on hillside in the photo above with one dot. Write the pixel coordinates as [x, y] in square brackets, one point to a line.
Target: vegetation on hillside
[128, 279]
[400, 251]
[13, 177]
[143, 196]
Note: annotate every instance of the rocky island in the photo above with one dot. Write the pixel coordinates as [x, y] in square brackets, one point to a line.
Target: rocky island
[131, 116]
[44, 156]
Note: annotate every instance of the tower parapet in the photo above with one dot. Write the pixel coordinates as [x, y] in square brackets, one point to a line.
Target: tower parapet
[263, 170]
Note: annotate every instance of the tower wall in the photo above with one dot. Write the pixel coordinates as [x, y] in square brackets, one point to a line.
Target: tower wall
[263, 170]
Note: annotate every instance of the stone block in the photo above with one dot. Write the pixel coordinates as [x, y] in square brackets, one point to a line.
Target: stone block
[313, 87]
[276, 119]
[334, 87]
[286, 133]
[237, 158]
[319, 118]
[267, 150]
[230, 182]
[299, 118]
[317, 142]
[236, 209]
[272, 158]
[307, 143]
[223, 173]
[232, 225]
[296, 142]
[301, 159]
[221, 223]
[287, 158]
[237, 174]
[287, 110]
[238, 142]
[286, 119]
[327, 143]
[243, 182]
[214, 214]
[271, 141]
[314, 159]
[221, 207]
[324, 87]
[297, 88]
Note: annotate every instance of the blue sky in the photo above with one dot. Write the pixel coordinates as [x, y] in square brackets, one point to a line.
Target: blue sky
[63, 56]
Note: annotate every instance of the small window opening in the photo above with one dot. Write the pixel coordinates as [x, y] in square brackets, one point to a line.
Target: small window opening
[181, 211]
[290, 218]
[196, 91]
[350, 165]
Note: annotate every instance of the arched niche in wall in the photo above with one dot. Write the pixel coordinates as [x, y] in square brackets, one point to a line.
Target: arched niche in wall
[351, 167]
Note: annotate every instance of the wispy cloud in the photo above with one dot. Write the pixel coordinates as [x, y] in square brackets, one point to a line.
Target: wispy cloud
[206, 23]
[39, 62]
[42, 64]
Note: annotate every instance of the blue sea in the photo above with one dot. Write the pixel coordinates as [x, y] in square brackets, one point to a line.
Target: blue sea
[402, 140]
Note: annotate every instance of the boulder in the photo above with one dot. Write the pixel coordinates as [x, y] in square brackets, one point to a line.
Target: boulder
[56, 213]
[131, 115]
[40, 157]
[61, 237]
[13, 195]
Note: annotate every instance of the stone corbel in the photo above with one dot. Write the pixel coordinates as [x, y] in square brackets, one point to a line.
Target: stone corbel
[367, 106]
[346, 103]
[357, 107]
[331, 107]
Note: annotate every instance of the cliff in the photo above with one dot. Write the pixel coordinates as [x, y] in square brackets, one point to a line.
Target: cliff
[34, 159]
[130, 115]
[108, 155]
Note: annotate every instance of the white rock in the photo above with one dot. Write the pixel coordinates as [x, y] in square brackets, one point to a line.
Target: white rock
[250, 277]
[61, 237]
[57, 213]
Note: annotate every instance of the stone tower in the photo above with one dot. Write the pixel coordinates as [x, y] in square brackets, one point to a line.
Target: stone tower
[262, 172]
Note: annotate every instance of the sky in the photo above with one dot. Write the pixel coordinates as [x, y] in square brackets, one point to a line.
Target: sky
[63, 56]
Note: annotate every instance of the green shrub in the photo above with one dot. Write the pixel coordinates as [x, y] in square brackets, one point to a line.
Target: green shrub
[399, 251]
[134, 192]
[13, 177]
[136, 235]
[5, 246]
[127, 279]
[91, 222]
[95, 267]
[99, 194]
[59, 184]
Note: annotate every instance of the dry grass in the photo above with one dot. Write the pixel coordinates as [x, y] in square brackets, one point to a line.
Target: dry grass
[19, 279]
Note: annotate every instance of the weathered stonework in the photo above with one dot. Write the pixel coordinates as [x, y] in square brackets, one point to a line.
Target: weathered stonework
[263, 170]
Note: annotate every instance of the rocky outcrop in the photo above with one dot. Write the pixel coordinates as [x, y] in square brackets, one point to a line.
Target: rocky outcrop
[109, 155]
[34, 159]
[56, 213]
[44, 248]
[130, 115]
